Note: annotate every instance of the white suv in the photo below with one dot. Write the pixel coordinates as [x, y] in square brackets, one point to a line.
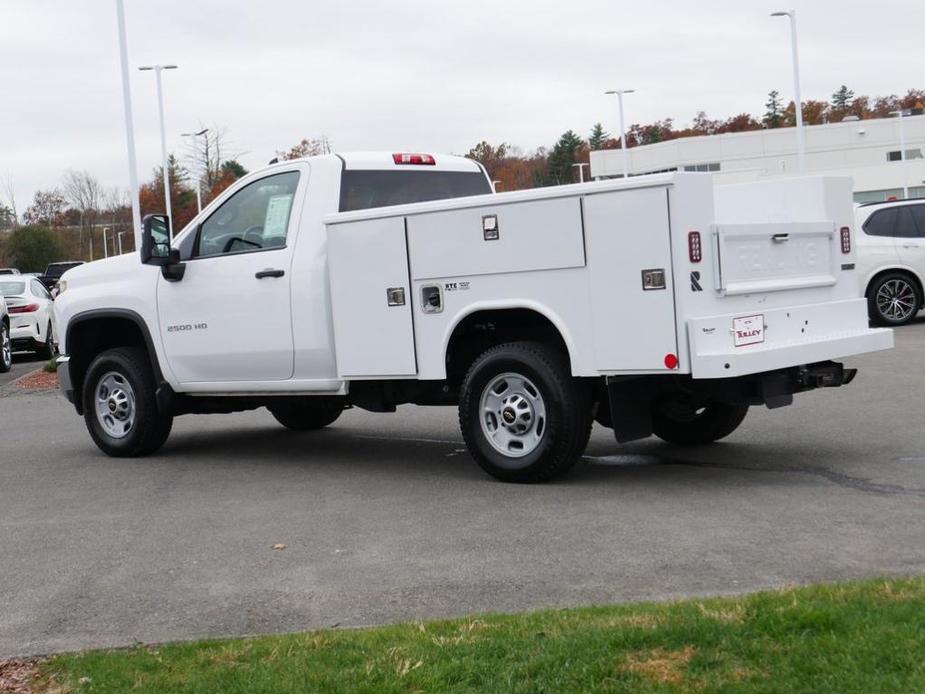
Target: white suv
[891, 259]
[6, 345]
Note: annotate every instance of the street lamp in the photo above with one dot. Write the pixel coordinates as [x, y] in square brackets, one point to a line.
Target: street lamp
[902, 151]
[129, 125]
[581, 171]
[620, 93]
[198, 178]
[798, 102]
[160, 109]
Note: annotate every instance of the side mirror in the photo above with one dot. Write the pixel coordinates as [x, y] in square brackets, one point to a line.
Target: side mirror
[155, 240]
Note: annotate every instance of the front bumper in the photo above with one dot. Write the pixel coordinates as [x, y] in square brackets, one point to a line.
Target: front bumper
[793, 335]
[64, 378]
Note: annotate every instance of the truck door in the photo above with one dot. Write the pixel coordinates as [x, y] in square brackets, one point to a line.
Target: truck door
[229, 318]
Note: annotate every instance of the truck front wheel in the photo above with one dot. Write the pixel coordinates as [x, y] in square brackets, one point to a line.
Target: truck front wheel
[687, 424]
[120, 407]
[522, 415]
[301, 416]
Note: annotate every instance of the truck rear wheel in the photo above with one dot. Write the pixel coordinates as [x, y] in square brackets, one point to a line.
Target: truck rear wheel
[522, 415]
[120, 407]
[685, 424]
[302, 416]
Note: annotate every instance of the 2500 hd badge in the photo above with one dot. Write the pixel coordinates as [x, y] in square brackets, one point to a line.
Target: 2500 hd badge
[187, 326]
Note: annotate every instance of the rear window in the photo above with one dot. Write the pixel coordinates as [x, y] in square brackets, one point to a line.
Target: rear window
[12, 288]
[881, 223]
[59, 269]
[362, 190]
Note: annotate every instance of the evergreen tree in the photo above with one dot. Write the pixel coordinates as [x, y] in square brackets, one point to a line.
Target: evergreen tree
[598, 137]
[563, 155]
[842, 98]
[774, 116]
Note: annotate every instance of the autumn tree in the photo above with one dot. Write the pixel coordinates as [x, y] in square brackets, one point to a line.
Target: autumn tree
[231, 171]
[648, 134]
[47, 208]
[306, 148]
[598, 137]
[182, 197]
[738, 124]
[489, 156]
[206, 153]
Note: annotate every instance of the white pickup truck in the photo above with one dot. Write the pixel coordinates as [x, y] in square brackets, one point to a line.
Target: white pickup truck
[661, 304]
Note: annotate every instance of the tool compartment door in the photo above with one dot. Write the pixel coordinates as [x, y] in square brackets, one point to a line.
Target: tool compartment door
[628, 233]
[371, 299]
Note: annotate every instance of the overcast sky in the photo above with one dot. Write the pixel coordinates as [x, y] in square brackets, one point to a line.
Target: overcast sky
[423, 75]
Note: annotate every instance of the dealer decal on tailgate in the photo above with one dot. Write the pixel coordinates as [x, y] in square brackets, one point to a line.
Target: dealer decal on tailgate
[748, 330]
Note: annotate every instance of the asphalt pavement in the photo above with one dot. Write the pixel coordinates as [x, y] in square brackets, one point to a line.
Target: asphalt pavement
[23, 363]
[385, 518]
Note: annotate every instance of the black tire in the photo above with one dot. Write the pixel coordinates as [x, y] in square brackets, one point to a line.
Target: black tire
[49, 349]
[687, 426]
[903, 289]
[566, 424]
[150, 428]
[306, 416]
[6, 348]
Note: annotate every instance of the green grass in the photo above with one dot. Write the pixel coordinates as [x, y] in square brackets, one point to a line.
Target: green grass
[50, 366]
[856, 637]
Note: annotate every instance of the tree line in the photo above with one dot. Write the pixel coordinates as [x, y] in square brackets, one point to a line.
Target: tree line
[513, 169]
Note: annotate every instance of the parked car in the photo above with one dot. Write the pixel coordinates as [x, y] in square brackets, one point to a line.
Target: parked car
[31, 314]
[660, 304]
[6, 349]
[891, 259]
[8, 271]
[54, 271]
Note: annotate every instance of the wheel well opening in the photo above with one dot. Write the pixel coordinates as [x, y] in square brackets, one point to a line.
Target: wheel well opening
[482, 330]
[88, 338]
[897, 271]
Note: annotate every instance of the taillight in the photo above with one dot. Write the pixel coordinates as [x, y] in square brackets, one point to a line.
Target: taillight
[418, 159]
[694, 249]
[28, 308]
[845, 240]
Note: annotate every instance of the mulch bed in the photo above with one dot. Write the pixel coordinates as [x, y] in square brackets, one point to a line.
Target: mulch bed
[16, 676]
[38, 380]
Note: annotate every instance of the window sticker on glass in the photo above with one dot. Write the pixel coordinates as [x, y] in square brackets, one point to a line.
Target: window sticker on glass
[277, 218]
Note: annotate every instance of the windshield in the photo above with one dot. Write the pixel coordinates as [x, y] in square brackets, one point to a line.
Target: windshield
[362, 190]
[12, 288]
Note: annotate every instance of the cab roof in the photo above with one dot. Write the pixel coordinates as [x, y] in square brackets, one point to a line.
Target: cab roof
[385, 161]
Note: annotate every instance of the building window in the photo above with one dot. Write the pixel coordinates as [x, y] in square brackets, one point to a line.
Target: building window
[895, 155]
[712, 166]
[879, 195]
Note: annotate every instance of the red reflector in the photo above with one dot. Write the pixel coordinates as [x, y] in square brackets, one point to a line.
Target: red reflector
[417, 159]
[28, 308]
[845, 240]
[671, 361]
[694, 250]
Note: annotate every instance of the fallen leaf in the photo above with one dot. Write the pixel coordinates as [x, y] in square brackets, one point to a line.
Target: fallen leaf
[279, 545]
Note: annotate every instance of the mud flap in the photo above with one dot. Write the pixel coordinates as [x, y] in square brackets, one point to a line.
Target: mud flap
[631, 402]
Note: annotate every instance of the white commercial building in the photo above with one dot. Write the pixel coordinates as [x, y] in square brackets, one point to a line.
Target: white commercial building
[867, 150]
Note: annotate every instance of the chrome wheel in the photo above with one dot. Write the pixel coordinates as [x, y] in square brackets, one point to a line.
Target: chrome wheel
[115, 404]
[513, 414]
[896, 300]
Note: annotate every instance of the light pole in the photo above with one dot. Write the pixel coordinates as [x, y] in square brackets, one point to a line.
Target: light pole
[902, 151]
[119, 237]
[129, 125]
[198, 178]
[160, 109]
[798, 102]
[105, 243]
[626, 163]
[581, 171]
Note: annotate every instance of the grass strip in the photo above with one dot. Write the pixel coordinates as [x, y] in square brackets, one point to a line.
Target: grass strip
[853, 637]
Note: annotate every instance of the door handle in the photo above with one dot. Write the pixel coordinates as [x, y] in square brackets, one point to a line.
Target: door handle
[909, 245]
[780, 238]
[269, 273]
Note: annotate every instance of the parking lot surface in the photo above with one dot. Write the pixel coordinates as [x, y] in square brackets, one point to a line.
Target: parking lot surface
[23, 363]
[386, 518]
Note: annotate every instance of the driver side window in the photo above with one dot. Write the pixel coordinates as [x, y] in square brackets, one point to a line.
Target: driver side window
[253, 219]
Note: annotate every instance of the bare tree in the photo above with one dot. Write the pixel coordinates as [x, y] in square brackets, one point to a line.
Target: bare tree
[207, 153]
[307, 148]
[85, 194]
[8, 196]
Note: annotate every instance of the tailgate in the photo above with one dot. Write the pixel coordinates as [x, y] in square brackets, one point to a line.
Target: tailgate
[772, 257]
